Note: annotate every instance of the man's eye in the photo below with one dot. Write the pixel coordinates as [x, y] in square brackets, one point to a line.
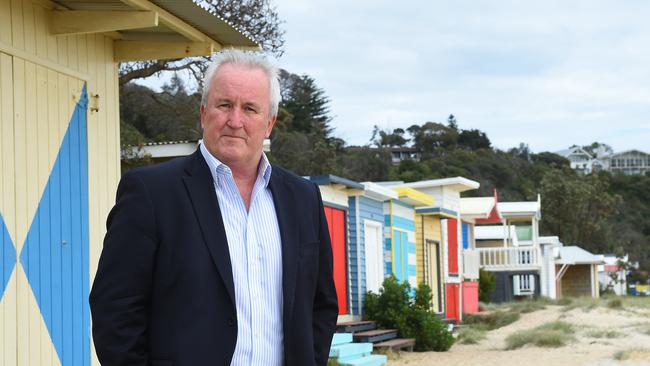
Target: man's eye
[223, 105]
[250, 109]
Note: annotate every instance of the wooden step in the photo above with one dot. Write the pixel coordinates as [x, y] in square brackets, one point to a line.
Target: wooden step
[397, 344]
[376, 335]
[354, 327]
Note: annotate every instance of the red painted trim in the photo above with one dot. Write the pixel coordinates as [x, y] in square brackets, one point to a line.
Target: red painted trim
[452, 245]
[336, 225]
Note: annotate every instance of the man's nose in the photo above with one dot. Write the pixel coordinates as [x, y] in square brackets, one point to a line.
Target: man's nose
[235, 118]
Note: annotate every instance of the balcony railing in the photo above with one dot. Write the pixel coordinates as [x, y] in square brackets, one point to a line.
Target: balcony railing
[509, 258]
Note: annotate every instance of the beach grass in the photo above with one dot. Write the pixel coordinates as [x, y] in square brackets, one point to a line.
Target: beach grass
[491, 320]
[615, 303]
[585, 303]
[633, 354]
[604, 333]
[552, 335]
[471, 335]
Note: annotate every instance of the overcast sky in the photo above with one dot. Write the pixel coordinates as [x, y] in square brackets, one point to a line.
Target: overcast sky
[547, 73]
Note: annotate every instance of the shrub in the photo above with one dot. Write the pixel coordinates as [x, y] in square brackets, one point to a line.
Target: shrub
[394, 308]
[487, 283]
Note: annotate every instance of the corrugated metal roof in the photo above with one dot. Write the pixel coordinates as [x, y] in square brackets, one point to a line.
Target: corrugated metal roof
[187, 10]
[211, 24]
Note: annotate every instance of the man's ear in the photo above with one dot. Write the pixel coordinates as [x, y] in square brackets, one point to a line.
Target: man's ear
[270, 126]
[202, 112]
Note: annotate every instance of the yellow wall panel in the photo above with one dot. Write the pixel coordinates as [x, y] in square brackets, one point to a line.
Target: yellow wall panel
[29, 27]
[17, 32]
[8, 343]
[5, 22]
[8, 203]
[41, 35]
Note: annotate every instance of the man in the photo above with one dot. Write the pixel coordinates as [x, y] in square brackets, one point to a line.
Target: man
[218, 258]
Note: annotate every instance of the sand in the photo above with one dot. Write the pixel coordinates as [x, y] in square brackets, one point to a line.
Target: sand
[586, 350]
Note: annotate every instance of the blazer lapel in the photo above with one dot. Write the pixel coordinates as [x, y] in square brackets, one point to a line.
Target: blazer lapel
[200, 187]
[283, 199]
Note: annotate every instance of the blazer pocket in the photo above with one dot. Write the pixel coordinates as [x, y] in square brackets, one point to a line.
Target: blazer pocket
[161, 363]
[307, 249]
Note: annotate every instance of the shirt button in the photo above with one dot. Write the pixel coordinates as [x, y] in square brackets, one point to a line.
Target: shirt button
[231, 321]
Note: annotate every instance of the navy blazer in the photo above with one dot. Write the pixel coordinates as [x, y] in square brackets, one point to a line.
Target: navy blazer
[164, 294]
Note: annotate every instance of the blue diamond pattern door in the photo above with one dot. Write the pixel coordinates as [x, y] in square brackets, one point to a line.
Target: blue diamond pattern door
[55, 255]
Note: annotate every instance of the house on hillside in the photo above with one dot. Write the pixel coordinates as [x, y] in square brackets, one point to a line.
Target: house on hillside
[579, 159]
[59, 127]
[630, 162]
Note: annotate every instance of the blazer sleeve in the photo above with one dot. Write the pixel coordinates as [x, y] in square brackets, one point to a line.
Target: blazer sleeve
[325, 301]
[119, 299]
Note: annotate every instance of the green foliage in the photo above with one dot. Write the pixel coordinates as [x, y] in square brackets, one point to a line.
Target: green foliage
[171, 115]
[487, 283]
[394, 308]
[554, 334]
[577, 208]
[366, 164]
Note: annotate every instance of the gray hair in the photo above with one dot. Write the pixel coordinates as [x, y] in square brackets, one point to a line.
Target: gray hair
[249, 59]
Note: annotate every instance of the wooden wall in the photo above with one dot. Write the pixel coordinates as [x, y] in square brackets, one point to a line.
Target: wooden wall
[42, 81]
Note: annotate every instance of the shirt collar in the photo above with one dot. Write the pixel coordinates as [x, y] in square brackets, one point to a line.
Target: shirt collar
[217, 168]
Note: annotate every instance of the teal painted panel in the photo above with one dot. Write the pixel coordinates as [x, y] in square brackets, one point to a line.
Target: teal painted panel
[372, 360]
[347, 350]
[56, 251]
[404, 224]
[7, 256]
[341, 338]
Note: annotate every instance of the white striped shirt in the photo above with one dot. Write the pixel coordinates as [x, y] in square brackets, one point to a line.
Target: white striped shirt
[256, 257]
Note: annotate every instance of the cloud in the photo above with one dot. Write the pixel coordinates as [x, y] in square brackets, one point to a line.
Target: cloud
[550, 73]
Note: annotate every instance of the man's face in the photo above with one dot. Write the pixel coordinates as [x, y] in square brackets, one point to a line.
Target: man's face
[236, 119]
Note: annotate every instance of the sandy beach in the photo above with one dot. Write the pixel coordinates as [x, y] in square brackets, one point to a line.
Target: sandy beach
[630, 323]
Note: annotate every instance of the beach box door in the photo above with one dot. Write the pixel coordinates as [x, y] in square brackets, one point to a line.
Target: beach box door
[336, 224]
[374, 255]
